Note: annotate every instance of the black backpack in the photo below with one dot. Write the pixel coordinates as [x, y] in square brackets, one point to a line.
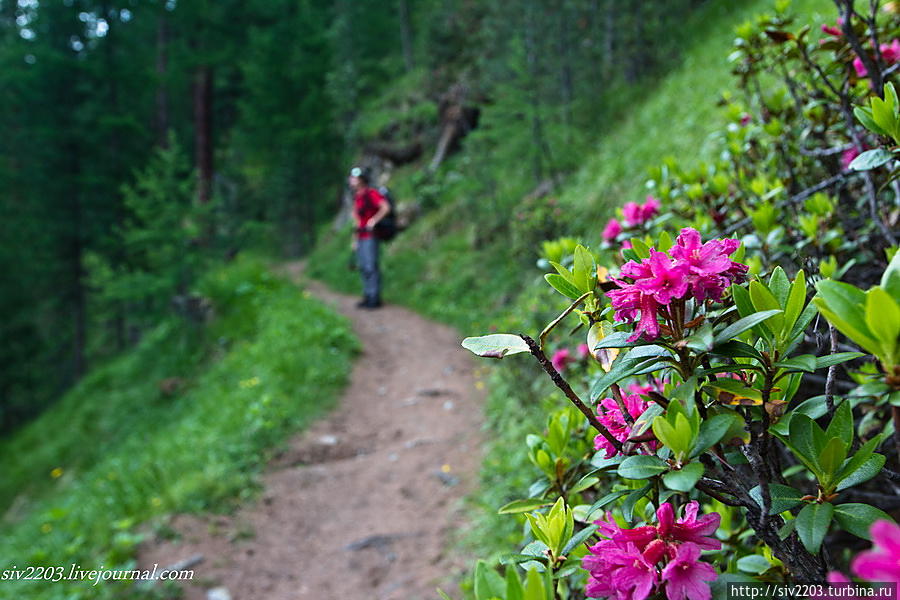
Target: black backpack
[386, 229]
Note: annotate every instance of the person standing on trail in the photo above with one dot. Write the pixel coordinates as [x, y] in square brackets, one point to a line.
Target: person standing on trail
[369, 207]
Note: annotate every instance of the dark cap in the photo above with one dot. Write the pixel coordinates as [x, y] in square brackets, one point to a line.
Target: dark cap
[360, 172]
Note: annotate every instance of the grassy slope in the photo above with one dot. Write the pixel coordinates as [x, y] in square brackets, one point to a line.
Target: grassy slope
[116, 451]
[434, 269]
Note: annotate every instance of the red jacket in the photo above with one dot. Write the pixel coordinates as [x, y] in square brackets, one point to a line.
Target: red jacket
[366, 203]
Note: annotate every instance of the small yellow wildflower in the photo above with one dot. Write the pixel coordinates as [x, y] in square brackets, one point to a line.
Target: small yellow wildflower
[445, 468]
[249, 383]
[56, 473]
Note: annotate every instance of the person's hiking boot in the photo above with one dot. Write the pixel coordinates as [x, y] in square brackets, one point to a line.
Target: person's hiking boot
[369, 303]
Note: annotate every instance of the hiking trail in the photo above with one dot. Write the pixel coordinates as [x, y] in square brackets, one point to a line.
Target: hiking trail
[365, 503]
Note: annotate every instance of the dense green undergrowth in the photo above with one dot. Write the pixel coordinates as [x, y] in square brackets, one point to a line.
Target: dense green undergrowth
[182, 423]
[463, 264]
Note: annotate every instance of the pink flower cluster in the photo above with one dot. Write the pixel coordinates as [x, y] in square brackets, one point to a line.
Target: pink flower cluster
[610, 415]
[634, 214]
[890, 53]
[638, 214]
[630, 564]
[694, 269]
[882, 562]
[562, 358]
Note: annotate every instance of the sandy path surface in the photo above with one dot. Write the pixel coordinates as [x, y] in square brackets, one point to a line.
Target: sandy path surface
[363, 504]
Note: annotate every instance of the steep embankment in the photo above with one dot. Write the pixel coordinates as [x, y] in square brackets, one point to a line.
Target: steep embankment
[362, 505]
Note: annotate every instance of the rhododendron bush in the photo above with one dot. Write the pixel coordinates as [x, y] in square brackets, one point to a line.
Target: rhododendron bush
[727, 350]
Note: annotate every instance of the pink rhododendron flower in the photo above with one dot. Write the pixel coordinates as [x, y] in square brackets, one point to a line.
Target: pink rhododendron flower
[583, 351]
[632, 214]
[686, 576]
[832, 30]
[694, 269]
[890, 54]
[667, 280]
[656, 385]
[561, 358]
[638, 214]
[612, 230]
[847, 157]
[882, 562]
[611, 416]
[650, 208]
[631, 564]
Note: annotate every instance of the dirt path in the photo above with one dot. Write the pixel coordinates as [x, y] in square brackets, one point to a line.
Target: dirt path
[362, 505]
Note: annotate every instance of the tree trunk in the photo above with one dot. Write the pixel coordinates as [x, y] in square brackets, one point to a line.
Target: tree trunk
[77, 292]
[203, 142]
[405, 34]
[162, 67]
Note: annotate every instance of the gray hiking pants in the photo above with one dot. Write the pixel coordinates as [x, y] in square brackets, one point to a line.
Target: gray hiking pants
[367, 259]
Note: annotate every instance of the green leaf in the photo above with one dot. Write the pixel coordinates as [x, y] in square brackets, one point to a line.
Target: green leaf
[764, 300]
[735, 388]
[520, 506]
[858, 459]
[712, 430]
[564, 272]
[857, 518]
[865, 472]
[890, 279]
[831, 458]
[534, 586]
[780, 286]
[742, 300]
[563, 286]
[841, 425]
[514, 590]
[641, 466]
[496, 345]
[618, 339]
[804, 362]
[586, 482]
[783, 497]
[844, 306]
[737, 349]
[701, 341]
[795, 302]
[684, 479]
[864, 115]
[583, 269]
[610, 497]
[883, 319]
[640, 248]
[871, 159]
[803, 441]
[836, 359]
[754, 563]
[812, 525]
[578, 539]
[742, 325]
[632, 499]
[488, 583]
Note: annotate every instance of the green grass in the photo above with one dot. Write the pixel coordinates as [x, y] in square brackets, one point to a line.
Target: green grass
[473, 268]
[271, 361]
